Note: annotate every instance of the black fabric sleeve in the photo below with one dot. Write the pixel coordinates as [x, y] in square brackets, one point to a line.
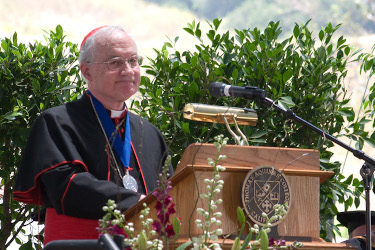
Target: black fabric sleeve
[358, 243]
[74, 192]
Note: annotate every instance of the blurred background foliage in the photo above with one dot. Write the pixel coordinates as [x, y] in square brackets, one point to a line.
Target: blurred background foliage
[300, 72]
[33, 77]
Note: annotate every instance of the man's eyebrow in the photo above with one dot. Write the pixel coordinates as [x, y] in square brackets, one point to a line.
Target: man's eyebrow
[117, 56]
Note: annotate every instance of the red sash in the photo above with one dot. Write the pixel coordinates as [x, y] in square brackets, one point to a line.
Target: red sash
[62, 227]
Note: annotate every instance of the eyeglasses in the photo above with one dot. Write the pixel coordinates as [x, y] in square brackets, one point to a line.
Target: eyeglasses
[118, 63]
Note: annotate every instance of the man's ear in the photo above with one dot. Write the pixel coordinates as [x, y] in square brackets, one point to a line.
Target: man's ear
[86, 71]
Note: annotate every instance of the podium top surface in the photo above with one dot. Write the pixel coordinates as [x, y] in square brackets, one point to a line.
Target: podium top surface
[253, 156]
[293, 161]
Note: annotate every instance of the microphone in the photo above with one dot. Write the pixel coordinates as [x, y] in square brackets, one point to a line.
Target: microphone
[216, 114]
[219, 89]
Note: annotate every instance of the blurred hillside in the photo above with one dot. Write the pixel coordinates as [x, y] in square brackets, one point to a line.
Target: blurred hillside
[149, 21]
[357, 17]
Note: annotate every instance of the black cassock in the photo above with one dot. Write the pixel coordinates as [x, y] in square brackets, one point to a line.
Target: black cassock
[67, 163]
[359, 242]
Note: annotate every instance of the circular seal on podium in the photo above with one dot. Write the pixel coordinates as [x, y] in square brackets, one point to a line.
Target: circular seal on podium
[264, 187]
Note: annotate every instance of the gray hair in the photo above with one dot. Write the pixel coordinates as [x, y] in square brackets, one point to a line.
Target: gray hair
[88, 47]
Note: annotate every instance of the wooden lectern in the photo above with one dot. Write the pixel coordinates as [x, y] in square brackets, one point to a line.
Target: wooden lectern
[301, 167]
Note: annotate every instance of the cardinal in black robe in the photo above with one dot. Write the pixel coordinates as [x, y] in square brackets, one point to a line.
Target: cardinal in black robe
[68, 166]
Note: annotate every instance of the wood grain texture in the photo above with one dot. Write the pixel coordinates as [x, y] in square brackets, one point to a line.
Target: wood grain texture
[300, 166]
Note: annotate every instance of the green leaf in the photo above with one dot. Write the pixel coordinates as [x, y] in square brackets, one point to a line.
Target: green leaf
[59, 31]
[241, 216]
[258, 141]
[359, 144]
[158, 92]
[370, 141]
[340, 54]
[235, 74]
[15, 38]
[190, 31]
[198, 33]
[236, 244]
[296, 31]
[184, 245]
[321, 35]
[368, 64]
[247, 240]
[194, 61]
[167, 44]
[258, 134]
[286, 102]
[4, 45]
[341, 41]
[165, 53]
[176, 225]
[348, 112]
[217, 23]
[263, 239]
[175, 64]
[347, 50]
[185, 127]
[193, 89]
[329, 49]
[27, 246]
[287, 75]
[142, 241]
[185, 66]
[196, 74]
[12, 115]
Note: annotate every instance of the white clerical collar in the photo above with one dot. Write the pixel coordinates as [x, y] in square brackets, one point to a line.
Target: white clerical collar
[117, 113]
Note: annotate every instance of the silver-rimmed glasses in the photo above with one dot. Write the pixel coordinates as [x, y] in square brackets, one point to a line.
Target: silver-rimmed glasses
[117, 63]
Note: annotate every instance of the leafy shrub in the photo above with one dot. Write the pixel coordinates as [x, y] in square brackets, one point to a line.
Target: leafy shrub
[33, 77]
[299, 72]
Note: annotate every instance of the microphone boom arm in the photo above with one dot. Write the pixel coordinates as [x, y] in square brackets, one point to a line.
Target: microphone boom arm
[366, 171]
[291, 115]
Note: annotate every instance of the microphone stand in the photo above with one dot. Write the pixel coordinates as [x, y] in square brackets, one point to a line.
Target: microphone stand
[366, 171]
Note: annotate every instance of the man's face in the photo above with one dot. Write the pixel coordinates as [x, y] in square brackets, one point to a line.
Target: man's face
[112, 87]
[361, 230]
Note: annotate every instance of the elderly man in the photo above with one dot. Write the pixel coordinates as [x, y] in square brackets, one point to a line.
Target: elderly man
[83, 153]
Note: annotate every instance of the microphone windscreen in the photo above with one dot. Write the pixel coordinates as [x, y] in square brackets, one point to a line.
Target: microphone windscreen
[215, 89]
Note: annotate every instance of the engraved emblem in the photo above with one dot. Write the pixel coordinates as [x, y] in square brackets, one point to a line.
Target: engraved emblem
[264, 187]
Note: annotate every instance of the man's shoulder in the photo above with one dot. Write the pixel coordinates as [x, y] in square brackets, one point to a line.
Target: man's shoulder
[359, 242]
[136, 118]
[64, 108]
[141, 122]
[54, 111]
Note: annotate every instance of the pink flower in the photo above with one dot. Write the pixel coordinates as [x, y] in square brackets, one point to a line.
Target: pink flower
[171, 209]
[158, 205]
[164, 207]
[118, 230]
[280, 243]
[156, 226]
[167, 200]
[169, 230]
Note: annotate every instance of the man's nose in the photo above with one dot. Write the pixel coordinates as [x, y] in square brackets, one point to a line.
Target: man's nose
[126, 67]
